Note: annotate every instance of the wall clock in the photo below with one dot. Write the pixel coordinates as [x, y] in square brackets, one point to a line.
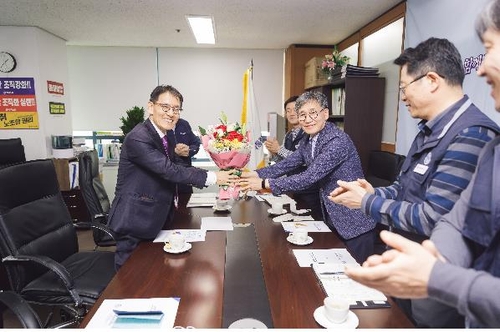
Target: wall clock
[7, 62]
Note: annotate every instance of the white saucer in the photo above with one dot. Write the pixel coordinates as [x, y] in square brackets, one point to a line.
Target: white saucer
[291, 240]
[227, 208]
[351, 322]
[270, 211]
[187, 246]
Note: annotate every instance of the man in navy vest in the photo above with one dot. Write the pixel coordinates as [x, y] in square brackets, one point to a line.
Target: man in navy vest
[460, 266]
[291, 142]
[441, 160]
[187, 144]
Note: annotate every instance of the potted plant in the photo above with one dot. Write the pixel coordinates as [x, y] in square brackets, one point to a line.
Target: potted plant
[134, 116]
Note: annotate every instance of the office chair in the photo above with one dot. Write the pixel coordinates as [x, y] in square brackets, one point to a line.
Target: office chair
[383, 168]
[39, 244]
[94, 195]
[23, 311]
[11, 151]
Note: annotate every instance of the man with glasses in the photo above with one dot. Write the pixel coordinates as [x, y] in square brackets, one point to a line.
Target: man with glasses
[441, 160]
[329, 155]
[291, 142]
[146, 188]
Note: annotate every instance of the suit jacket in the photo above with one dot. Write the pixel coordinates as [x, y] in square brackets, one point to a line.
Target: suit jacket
[146, 183]
[335, 158]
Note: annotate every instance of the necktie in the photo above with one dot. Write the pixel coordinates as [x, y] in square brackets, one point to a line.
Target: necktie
[165, 147]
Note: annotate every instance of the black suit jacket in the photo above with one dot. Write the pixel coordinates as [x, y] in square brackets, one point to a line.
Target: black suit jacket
[145, 187]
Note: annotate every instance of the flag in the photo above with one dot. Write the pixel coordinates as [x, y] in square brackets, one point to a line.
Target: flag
[250, 119]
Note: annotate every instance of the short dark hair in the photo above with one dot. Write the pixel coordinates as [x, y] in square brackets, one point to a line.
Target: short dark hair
[290, 100]
[488, 18]
[437, 55]
[160, 89]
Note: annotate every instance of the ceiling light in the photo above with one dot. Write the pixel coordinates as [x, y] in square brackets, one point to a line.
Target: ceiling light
[202, 28]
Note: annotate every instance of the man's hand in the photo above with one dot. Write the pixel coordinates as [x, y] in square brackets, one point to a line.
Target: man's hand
[403, 271]
[350, 194]
[182, 150]
[250, 183]
[227, 177]
[272, 145]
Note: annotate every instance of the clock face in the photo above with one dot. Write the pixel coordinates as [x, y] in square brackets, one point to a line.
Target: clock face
[7, 62]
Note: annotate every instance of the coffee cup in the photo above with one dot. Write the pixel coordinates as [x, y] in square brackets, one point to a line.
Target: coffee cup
[336, 309]
[277, 207]
[299, 236]
[177, 241]
[222, 204]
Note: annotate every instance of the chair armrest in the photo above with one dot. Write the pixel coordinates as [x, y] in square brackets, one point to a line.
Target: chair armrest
[97, 225]
[26, 315]
[53, 266]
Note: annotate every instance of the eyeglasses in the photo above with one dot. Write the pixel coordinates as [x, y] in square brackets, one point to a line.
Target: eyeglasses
[313, 115]
[167, 108]
[402, 89]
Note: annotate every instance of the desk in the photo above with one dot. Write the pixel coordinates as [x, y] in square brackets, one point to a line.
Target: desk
[197, 277]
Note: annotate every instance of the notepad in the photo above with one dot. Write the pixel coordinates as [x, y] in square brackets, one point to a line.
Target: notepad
[137, 319]
[336, 283]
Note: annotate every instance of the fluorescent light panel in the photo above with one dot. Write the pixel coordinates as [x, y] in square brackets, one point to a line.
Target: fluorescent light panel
[202, 28]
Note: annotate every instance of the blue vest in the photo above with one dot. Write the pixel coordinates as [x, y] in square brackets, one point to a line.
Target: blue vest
[482, 222]
[423, 158]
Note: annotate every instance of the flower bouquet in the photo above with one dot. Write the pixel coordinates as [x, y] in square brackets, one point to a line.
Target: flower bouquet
[334, 61]
[228, 145]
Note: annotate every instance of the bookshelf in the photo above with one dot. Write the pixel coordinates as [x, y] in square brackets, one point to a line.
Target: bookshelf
[360, 110]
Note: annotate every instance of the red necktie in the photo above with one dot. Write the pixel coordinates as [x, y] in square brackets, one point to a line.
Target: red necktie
[165, 147]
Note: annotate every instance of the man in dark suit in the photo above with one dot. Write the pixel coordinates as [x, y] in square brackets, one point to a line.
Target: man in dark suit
[187, 144]
[146, 189]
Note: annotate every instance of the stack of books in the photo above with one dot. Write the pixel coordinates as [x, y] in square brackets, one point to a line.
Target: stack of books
[354, 71]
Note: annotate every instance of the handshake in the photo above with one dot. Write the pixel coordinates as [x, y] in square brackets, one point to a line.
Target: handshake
[246, 180]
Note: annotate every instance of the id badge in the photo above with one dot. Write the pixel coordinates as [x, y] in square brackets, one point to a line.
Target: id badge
[420, 169]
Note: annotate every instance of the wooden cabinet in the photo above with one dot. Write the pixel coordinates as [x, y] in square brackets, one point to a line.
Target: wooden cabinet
[76, 205]
[296, 57]
[363, 111]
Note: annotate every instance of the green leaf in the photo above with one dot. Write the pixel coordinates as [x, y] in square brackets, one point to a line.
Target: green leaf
[202, 130]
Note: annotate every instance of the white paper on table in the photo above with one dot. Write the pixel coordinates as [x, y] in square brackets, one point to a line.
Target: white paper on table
[191, 235]
[306, 257]
[105, 317]
[217, 224]
[283, 199]
[259, 198]
[310, 226]
[291, 217]
[202, 200]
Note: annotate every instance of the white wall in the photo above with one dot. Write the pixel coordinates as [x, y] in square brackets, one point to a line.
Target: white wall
[106, 81]
[391, 37]
[42, 56]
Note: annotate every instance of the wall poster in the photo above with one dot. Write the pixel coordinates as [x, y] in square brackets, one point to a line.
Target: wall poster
[18, 109]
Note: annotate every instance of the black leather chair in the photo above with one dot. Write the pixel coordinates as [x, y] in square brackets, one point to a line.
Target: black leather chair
[39, 245]
[383, 168]
[11, 151]
[21, 309]
[94, 195]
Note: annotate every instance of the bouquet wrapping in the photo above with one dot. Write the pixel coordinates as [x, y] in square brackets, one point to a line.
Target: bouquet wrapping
[228, 146]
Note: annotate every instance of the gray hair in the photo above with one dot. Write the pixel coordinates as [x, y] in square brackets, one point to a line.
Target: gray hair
[308, 96]
[488, 18]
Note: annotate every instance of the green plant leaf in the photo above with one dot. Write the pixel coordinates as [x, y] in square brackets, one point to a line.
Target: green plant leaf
[202, 130]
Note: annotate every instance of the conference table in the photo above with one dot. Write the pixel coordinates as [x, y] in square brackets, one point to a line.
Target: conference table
[213, 272]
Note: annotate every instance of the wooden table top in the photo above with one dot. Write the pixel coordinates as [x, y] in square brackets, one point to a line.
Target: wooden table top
[197, 276]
